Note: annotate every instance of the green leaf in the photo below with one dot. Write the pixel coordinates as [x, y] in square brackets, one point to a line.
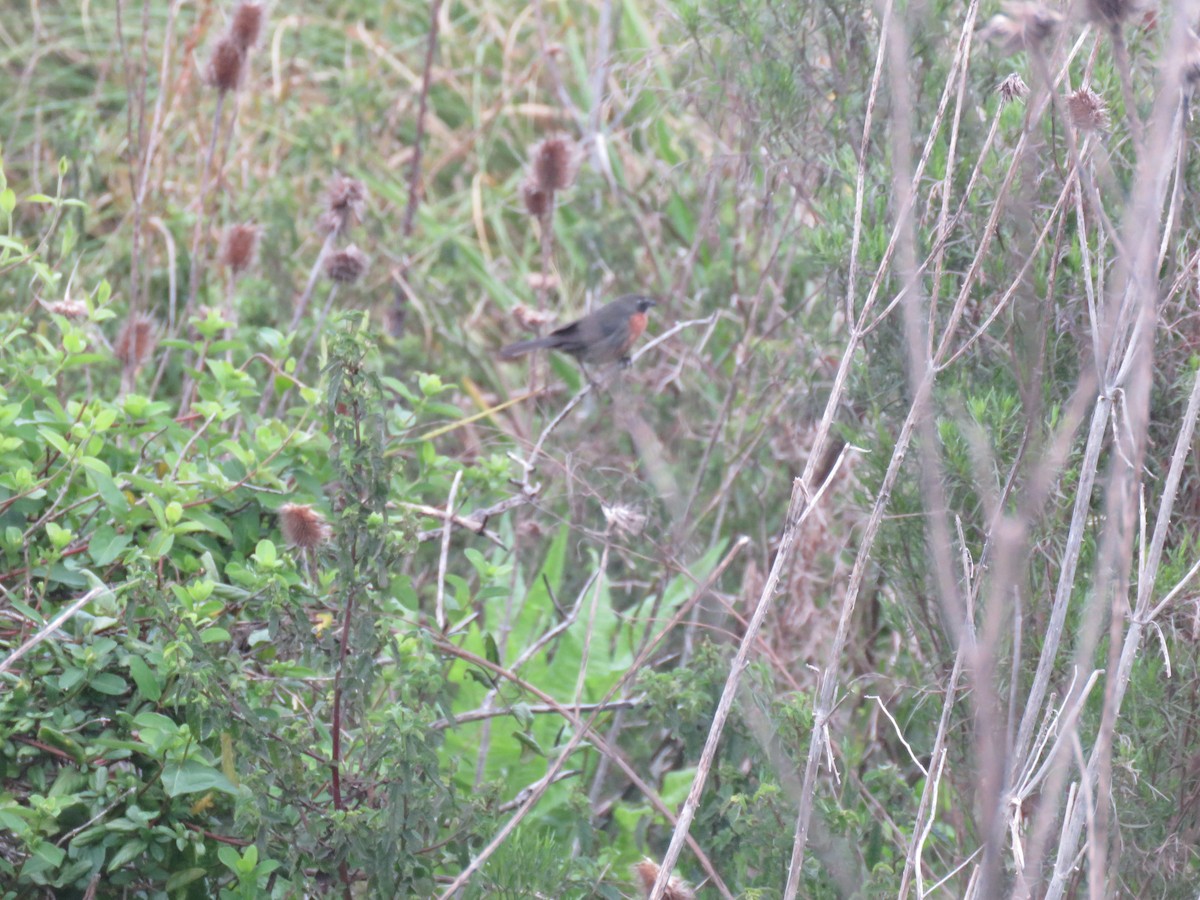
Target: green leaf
[8, 201]
[128, 852]
[106, 545]
[192, 777]
[265, 554]
[161, 544]
[491, 651]
[102, 483]
[184, 878]
[108, 683]
[145, 679]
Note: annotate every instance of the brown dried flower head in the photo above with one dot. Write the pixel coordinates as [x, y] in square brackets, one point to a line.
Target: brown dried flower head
[555, 162]
[303, 526]
[136, 341]
[1087, 110]
[1013, 88]
[1021, 25]
[531, 319]
[239, 247]
[225, 66]
[247, 24]
[68, 309]
[344, 207]
[542, 281]
[625, 518]
[677, 888]
[537, 201]
[346, 266]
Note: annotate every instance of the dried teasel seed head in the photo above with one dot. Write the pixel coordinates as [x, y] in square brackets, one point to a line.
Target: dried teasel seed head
[303, 526]
[136, 341]
[537, 201]
[239, 247]
[344, 206]
[1013, 88]
[247, 24]
[542, 281]
[1021, 25]
[1087, 110]
[346, 266]
[225, 66]
[677, 889]
[531, 319]
[554, 163]
[68, 309]
[624, 518]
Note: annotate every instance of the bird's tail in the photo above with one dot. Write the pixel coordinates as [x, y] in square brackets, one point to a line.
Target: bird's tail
[520, 348]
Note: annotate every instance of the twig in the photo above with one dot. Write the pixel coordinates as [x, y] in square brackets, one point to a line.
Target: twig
[799, 509]
[57, 622]
[440, 609]
[414, 172]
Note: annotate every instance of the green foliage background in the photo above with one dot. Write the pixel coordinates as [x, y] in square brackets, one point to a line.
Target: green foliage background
[178, 735]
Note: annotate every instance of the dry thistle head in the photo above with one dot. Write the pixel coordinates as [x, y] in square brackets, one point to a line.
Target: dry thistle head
[136, 341]
[677, 888]
[303, 526]
[347, 265]
[1087, 110]
[247, 24]
[531, 319]
[68, 309]
[542, 281]
[225, 66]
[537, 201]
[555, 162]
[1013, 88]
[345, 204]
[239, 247]
[624, 518]
[1022, 25]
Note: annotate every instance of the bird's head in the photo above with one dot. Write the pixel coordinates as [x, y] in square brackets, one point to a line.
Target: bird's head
[642, 303]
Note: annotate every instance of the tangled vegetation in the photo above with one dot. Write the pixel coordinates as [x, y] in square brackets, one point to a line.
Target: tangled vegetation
[872, 575]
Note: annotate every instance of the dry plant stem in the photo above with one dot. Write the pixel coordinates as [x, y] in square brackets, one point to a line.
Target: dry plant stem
[335, 761]
[1134, 372]
[414, 172]
[537, 709]
[196, 267]
[1121, 57]
[313, 274]
[318, 325]
[440, 606]
[860, 181]
[799, 508]
[54, 624]
[585, 728]
[590, 631]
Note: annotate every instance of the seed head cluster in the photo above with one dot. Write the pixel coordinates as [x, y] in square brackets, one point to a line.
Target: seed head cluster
[303, 526]
[553, 165]
[228, 61]
[136, 341]
[347, 265]
[346, 200]
[240, 247]
[1087, 110]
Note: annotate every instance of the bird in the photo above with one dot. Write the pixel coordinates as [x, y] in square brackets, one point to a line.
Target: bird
[603, 336]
